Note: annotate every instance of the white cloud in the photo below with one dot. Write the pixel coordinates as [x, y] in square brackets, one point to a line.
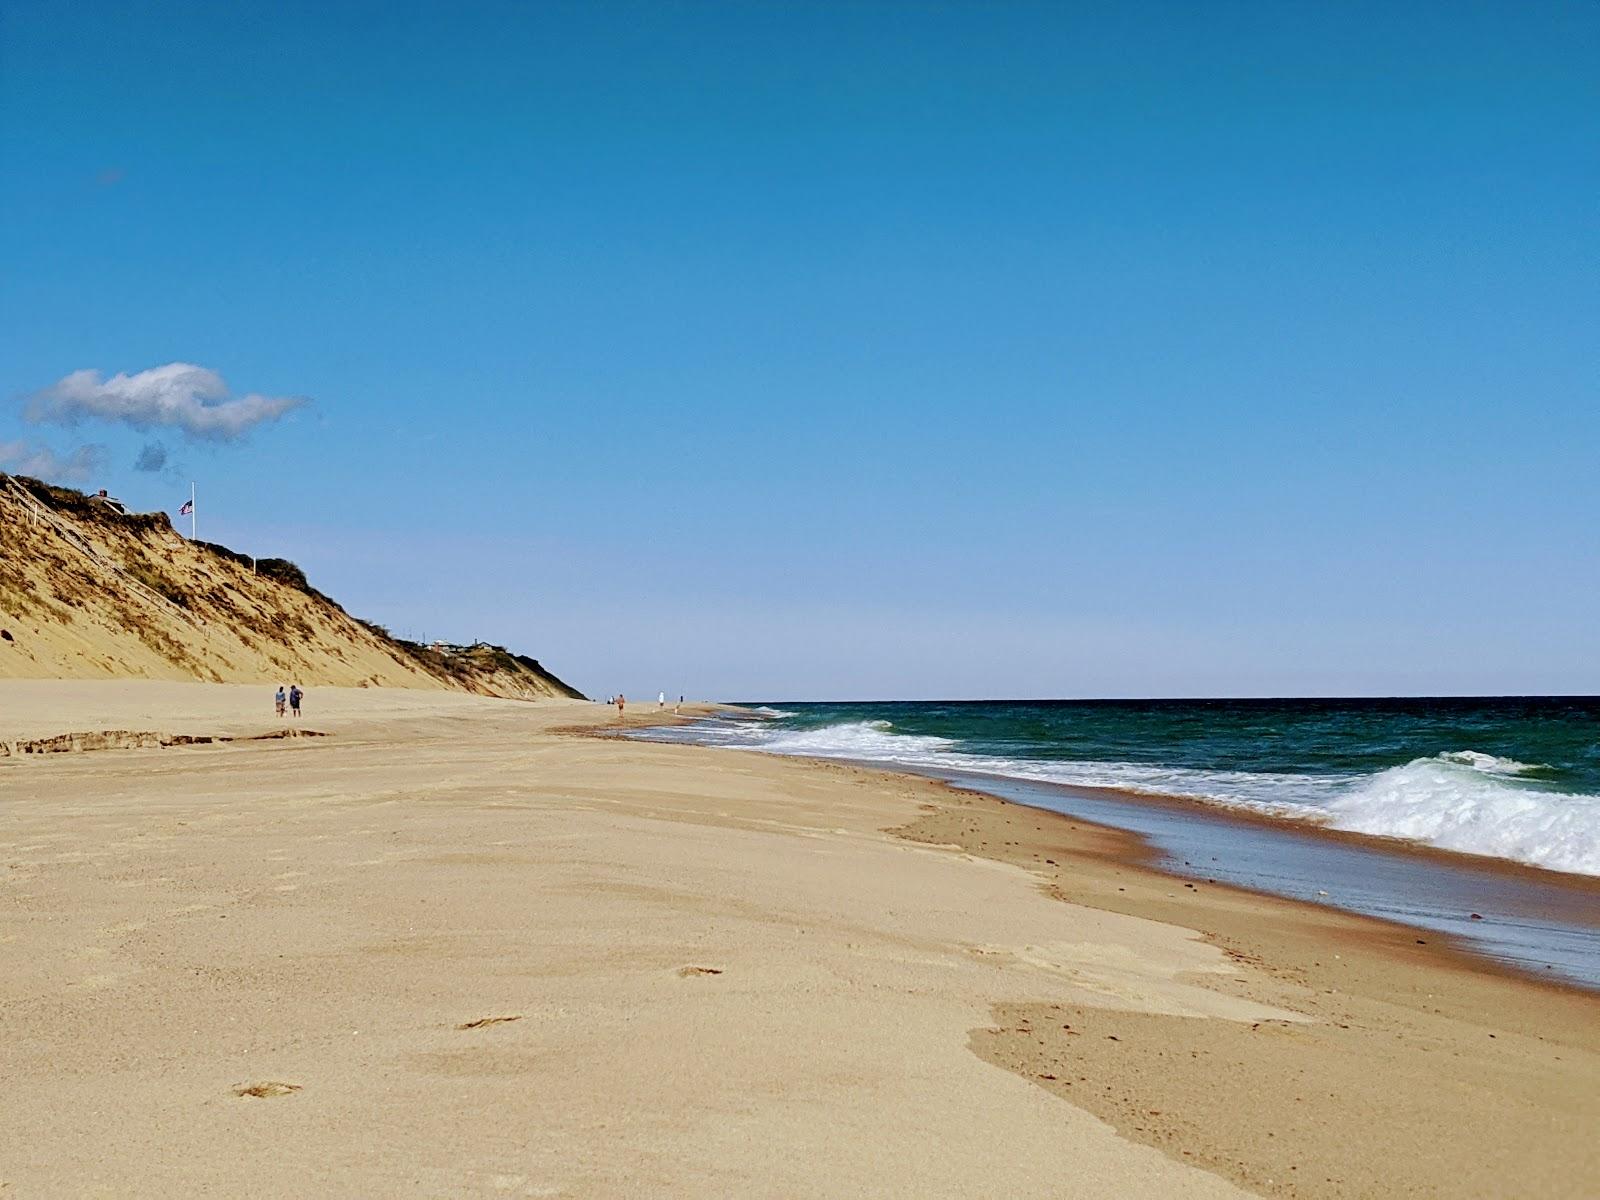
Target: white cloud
[179, 396]
[41, 462]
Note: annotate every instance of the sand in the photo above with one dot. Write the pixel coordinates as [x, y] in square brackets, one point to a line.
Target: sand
[453, 948]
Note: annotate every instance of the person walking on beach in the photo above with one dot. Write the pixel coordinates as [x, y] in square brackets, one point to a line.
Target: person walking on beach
[622, 702]
[295, 695]
[279, 699]
[661, 699]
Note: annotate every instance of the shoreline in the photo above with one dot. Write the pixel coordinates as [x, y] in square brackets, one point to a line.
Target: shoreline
[1400, 937]
[1411, 847]
[639, 721]
[1536, 923]
[1513, 900]
[1219, 811]
[1135, 851]
[1346, 960]
[459, 941]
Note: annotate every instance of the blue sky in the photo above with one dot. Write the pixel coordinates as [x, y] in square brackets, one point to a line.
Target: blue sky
[807, 351]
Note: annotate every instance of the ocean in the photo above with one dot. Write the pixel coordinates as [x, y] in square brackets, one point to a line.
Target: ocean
[1514, 778]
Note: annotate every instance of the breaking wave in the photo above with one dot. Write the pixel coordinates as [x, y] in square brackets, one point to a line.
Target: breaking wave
[1474, 803]
[874, 740]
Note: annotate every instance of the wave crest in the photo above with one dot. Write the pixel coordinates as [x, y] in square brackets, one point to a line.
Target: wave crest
[1473, 803]
[1489, 763]
[855, 739]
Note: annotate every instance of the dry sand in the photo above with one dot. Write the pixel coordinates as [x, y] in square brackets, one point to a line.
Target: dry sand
[451, 950]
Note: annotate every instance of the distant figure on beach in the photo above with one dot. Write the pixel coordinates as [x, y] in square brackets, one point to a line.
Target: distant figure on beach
[622, 702]
[280, 698]
[678, 705]
[661, 699]
[295, 695]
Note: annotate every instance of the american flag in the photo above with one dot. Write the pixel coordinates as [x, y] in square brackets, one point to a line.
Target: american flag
[188, 507]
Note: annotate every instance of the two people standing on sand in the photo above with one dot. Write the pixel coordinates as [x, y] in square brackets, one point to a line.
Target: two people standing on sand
[621, 702]
[295, 695]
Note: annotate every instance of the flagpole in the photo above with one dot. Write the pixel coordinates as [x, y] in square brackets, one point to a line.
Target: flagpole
[194, 521]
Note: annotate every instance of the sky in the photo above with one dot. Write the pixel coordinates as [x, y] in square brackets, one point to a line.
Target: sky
[827, 351]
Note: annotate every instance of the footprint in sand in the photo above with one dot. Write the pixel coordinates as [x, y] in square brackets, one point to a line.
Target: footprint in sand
[690, 972]
[482, 1021]
[266, 1089]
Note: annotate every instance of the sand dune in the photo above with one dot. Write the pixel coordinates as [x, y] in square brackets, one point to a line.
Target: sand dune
[91, 593]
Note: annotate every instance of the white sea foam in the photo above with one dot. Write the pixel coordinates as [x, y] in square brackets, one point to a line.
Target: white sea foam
[1488, 762]
[765, 711]
[1461, 800]
[874, 740]
[1460, 803]
[877, 741]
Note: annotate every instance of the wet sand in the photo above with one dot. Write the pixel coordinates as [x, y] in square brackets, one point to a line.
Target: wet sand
[449, 950]
[1423, 1071]
[1542, 923]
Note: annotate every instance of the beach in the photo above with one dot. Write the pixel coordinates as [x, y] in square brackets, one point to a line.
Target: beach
[1382, 807]
[463, 946]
